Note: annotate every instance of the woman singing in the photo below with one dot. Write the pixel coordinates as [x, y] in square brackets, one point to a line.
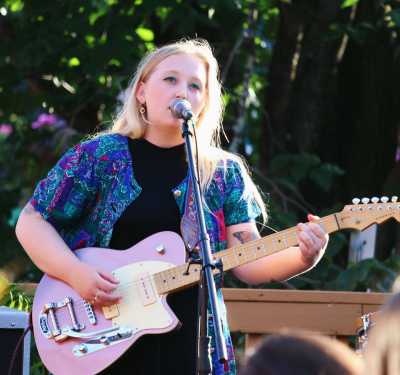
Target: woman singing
[130, 182]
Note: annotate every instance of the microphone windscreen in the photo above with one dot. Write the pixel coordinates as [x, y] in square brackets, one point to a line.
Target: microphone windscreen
[180, 108]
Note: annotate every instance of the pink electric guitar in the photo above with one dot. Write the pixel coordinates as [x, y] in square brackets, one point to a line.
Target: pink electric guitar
[74, 337]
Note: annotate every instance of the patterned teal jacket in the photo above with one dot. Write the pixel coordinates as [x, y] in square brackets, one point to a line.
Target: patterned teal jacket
[93, 183]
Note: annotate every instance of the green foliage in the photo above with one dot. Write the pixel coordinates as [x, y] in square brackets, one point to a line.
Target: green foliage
[305, 165]
[369, 274]
[349, 3]
[11, 295]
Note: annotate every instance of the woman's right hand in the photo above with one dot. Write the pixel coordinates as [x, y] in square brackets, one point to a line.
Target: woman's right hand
[87, 280]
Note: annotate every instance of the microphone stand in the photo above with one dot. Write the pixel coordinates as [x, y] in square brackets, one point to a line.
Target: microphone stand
[207, 283]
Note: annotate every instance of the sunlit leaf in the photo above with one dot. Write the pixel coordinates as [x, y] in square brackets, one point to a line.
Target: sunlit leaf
[15, 5]
[145, 34]
[349, 3]
[74, 62]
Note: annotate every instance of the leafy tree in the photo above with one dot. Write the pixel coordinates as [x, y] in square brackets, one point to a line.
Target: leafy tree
[305, 85]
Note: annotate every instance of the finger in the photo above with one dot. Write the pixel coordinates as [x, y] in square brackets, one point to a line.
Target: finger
[317, 230]
[109, 298]
[312, 230]
[106, 286]
[307, 240]
[312, 217]
[107, 275]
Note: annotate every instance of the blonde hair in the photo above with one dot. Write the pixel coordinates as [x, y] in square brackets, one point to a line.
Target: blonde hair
[130, 122]
[382, 355]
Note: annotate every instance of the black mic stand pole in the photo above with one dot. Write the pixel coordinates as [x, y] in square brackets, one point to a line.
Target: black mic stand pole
[207, 283]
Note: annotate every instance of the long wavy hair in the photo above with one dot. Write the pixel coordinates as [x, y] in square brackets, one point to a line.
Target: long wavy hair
[130, 122]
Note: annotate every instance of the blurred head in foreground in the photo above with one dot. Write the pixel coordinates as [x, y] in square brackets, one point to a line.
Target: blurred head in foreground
[302, 355]
[382, 355]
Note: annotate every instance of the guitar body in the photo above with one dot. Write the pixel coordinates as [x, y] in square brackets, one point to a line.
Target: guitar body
[138, 316]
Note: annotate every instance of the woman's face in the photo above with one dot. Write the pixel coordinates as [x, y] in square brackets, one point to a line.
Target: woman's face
[177, 76]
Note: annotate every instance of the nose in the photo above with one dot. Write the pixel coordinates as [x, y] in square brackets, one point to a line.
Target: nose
[181, 93]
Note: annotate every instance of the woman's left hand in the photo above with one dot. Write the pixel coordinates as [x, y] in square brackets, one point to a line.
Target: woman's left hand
[312, 241]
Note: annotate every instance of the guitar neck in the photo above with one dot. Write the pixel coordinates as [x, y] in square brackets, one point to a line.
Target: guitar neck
[173, 279]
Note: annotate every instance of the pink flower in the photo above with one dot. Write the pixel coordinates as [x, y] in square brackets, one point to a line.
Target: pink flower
[44, 119]
[5, 129]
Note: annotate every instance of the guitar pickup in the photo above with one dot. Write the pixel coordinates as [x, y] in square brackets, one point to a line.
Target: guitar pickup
[146, 292]
[110, 312]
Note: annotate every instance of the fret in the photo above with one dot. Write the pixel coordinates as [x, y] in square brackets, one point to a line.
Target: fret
[279, 241]
[165, 280]
[253, 249]
[265, 251]
[295, 231]
[181, 273]
[244, 252]
[234, 252]
[188, 275]
[171, 278]
[322, 225]
[284, 237]
[273, 241]
[191, 268]
[176, 276]
[227, 258]
[157, 277]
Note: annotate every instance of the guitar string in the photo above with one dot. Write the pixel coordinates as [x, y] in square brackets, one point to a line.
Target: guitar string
[246, 247]
[288, 236]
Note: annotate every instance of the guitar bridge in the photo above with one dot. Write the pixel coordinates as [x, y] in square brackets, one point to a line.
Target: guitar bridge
[50, 309]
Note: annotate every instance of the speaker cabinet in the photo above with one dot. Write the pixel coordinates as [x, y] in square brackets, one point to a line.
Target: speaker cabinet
[12, 325]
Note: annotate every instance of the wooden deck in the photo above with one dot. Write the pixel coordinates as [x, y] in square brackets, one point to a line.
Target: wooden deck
[258, 311]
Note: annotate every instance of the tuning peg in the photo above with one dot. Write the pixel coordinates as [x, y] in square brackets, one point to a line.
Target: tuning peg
[384, 199]
[394, 199]
[365, 200]
[356, 201]
[375, 200]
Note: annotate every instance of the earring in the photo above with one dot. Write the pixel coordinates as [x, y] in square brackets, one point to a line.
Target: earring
[142, 109]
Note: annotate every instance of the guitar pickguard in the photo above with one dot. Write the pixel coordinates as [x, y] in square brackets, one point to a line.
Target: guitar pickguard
[133, 311]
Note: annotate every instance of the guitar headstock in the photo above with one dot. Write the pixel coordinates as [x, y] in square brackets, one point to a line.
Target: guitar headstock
[361, 215]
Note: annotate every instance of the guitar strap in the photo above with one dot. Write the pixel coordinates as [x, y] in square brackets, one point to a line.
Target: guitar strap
[189, 223]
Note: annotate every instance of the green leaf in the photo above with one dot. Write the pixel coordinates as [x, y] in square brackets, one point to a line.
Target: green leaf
[364, 267]
[74, 62]
[145, 34]
[348, 3]
[15, 5]
[280, 161]
[366, 25]
[323, 175]
[395, 16]
[303, 162]
[348, 279]
[286, 180]
[358, 36]
[336, 242]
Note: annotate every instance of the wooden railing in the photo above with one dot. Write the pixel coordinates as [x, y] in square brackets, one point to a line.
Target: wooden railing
[258, 311]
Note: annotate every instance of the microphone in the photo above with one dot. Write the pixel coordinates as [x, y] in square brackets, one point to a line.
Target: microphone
[181, 108]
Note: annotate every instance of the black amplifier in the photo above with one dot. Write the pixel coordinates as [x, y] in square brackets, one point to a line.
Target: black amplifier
[13, 323]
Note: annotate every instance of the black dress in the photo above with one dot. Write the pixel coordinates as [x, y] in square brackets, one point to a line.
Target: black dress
[157, 171]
